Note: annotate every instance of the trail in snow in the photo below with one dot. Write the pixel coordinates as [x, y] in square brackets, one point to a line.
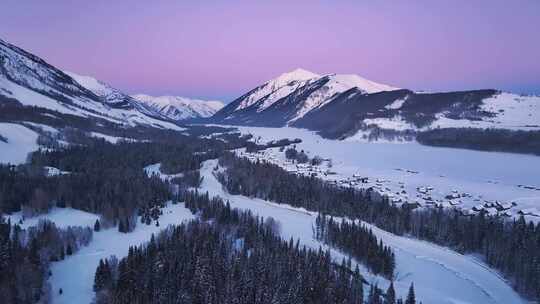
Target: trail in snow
[440, 275]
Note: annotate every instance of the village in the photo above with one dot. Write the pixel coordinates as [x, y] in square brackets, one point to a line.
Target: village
[398, 193]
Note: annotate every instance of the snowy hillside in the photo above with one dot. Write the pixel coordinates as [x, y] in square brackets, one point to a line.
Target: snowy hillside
[108, 94]
[334, 85]
[179, 108]
[275, 89]
[502, 110]
[16, 141]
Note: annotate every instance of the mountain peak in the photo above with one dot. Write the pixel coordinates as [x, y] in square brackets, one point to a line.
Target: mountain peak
[298, 74]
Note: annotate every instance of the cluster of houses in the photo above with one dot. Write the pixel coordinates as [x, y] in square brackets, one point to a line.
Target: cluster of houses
[300, 169]
[424, 196]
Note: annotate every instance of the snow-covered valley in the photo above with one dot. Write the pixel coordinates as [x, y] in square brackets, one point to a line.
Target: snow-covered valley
[440, 275]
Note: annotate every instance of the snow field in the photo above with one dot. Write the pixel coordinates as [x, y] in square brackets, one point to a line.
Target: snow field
[20, 141]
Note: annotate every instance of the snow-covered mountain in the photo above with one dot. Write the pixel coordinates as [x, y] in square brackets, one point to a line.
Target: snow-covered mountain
[349, 106]
[30, 83]
[290, 96]
[179, 108]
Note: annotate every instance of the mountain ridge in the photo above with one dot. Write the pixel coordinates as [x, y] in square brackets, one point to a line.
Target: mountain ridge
[349, 106]
[179, 108]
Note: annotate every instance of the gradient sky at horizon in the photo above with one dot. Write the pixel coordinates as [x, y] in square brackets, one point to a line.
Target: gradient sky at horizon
[222, 48]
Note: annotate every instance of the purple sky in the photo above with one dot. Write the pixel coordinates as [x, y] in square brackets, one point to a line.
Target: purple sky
[221, 48]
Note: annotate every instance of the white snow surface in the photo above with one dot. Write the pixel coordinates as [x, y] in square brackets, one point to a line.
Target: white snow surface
[20, 141]
[180, 108]
[486, 176]
[97, 87]
[62, 217]
[513, 111]
[338, 83]
[394, 123]
[155, 169]
[75, 274]
[52, 171]
[110, 138]
[397, 104]
[28, 97]
[440, 275]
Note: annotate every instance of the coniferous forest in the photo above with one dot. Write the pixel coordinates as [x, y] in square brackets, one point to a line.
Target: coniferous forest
[229, 256]
[98, 177]
[359, 242]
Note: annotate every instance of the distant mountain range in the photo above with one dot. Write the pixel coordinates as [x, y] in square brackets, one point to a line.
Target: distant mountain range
[336, 106]
[179, 108]
[349, 106]
[174, 108]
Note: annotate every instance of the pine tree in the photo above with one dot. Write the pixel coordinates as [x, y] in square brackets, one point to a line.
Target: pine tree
[97, 226]
[121, 226]
[69, 250]
[391, 294]
[411, 298]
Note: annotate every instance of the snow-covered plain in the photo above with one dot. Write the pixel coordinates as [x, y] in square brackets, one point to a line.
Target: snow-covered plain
[20, 141]
[486, 176]
[440, 275]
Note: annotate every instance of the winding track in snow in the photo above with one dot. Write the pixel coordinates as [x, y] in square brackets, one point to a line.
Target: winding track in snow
[440, 274]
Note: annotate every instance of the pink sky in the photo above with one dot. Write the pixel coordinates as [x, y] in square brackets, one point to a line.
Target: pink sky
[221, 49]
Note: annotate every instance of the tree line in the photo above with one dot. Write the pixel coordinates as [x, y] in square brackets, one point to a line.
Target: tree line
[502, 140]
[357, 241]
